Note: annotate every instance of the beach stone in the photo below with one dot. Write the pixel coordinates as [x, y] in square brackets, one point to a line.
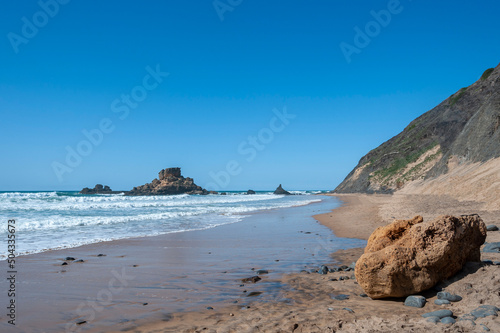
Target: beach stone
[363, 295]
[439, 313]
[343, 268]
[69, 258]
[485, 311]
[262, 271]
[80, 260]
[444, 295]
[492, 227]
[492, 247]
[434, 320]
[415, 301]
[348, 310]
[447, 320]
[64, 264]
[101, 255]
[323, 270]
[441, 301]
[209, 308]
[341, 297]
[487, 262]
[410, 256]
[253, 279]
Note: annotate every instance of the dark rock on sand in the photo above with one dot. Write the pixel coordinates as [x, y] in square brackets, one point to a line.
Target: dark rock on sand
[250, 192]
[80, 260]
[262, 271]
[449, 297]
[492, 227]
[280, 190]
[64, 264]
[323, 269]
[447, 320]
[485, 311]
[254, 293]
[69, 258]
[340, 297]
[415, 301]
[363, 295]
[253, 279]
[99, 189]
[101, 255]
[439, 313]
[492, 247]
[170, 181]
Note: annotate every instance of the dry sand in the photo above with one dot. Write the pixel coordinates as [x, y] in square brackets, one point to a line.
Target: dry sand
[306, 304]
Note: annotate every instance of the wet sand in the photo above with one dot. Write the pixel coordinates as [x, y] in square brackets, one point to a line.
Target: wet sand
[149, 279]
[307, 304]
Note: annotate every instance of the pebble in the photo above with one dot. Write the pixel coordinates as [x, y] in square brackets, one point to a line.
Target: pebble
[485, 311]
[144, 304]
[340, 297]
[262, 271]
[434, 320]
[439, 313]
[348, 310]
[343, 268]
[209, 308]
[333, 270]
[363, 295]
[333, 279]
[485, 327]
[415, 301]
[253, 279]
[492, 227]
[447, 320]
[492, 247]
[64, 264]
[323, 270]
[69, 258]
[101, 255]
[81, 322]
[254, 293]
[441, 301]
[80, 260]
[447, 296]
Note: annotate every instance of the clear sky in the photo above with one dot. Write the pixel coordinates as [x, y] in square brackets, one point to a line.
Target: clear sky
[257, 92]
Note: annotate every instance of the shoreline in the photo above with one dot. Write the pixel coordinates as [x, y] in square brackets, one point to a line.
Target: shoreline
[310, 306]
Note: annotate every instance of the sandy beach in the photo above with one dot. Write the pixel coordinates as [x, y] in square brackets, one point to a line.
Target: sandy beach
[308, 304]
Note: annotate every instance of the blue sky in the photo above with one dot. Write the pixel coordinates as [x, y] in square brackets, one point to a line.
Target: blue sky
[69, 68]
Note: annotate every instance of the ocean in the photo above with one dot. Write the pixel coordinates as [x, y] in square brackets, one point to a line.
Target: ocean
[56, 220]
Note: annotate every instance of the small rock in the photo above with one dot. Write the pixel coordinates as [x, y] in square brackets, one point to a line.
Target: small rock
[415, 301]
[332, 270]
[81, 322]
[447, 320]
[64, 263]
[363, 295]
[144, 304]
[261, 272]
[487, 262]
[80, 260]
[447, 296]
[333, 279]
[254, 293]
[209, 308]
[330, 309]
[485, 311]
[441, 301]
[231, 314]
[439, 313]
[496, 263]
[101, 255]
[348, 310]
[492, 227]
[343, 268]
[492, 247]
[323, 270]
[468, 286]
[253, 279]
[434, 320]
[69, 258]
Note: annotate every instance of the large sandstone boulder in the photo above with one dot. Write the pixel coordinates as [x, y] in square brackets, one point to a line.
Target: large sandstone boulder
[407, 257]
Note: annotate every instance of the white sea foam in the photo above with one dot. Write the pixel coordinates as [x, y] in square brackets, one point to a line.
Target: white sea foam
[50, 220]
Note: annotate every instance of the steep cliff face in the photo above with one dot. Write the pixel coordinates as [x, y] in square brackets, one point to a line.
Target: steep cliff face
[465, 128]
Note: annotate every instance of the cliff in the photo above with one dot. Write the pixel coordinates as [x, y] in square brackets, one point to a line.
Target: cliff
[461, 131]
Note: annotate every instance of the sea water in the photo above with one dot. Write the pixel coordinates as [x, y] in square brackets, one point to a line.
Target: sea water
[55, 220]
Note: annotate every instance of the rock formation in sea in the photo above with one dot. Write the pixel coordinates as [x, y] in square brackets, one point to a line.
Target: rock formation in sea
[280, 190]
[459, 135]
[410, 256]
[99, 189]
[169, 181]
[250, 192]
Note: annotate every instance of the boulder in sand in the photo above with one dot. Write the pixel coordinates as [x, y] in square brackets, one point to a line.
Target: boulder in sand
[407, 257]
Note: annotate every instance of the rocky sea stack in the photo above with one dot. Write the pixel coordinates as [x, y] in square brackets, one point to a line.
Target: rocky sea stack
[280, 190]
[169, 181]
[99, 189]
